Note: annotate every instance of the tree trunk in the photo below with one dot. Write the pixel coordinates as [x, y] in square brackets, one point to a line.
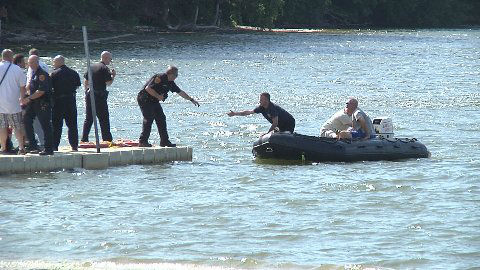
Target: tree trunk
[195, 18]
[165, 12]
[217, 14]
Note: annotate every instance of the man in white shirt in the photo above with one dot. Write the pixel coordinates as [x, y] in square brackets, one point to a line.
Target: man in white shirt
[338, 122]
[12, 90]
[42, 65]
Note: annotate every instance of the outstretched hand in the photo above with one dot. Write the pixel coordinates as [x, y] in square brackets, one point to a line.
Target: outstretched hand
[195, 102]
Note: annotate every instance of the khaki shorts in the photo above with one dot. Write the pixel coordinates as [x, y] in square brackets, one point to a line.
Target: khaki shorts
[14, 120]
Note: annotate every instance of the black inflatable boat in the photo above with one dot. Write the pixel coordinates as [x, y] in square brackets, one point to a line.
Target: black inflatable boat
[288, 146]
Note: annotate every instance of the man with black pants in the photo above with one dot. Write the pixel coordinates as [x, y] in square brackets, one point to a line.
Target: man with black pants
[38, 104]
[102, 77]
[148, 98]
[65, 82]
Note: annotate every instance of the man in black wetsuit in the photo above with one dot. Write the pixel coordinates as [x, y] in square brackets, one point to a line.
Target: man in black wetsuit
[102, 77]
[278, 117]
[155, 90]
[65, 82]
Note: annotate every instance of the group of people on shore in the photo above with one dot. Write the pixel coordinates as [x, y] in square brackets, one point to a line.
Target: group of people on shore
[39, 102]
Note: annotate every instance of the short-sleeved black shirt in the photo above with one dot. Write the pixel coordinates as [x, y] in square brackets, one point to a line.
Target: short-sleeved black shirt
[100, 75]
[65, 82]
[161, 85]
[285, 119]
[41, 82]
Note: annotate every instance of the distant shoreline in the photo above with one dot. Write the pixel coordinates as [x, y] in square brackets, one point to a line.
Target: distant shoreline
[27, 36]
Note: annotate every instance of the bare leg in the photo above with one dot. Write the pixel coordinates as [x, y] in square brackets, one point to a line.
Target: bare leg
[20, 135]
[3, 138]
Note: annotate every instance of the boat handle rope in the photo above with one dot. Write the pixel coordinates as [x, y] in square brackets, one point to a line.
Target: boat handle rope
[407, 140]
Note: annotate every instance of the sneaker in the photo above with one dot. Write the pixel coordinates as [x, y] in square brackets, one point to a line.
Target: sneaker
[144, 144]
[46, 153]
[168, 144]
[74, 148]
[32, 150]
[21, 152]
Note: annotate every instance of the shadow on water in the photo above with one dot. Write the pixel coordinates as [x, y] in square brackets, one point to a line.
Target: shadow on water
[282, 162]
[270, 161]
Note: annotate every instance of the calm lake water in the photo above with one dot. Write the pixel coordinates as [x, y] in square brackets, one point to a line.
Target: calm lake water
[224, 210]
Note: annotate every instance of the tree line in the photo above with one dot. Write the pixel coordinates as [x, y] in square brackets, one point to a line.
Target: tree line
[197, 14]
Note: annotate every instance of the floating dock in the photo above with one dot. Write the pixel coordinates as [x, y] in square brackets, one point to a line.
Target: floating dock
[91, 160]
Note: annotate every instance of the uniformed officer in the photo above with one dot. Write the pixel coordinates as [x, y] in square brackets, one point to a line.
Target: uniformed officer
[37, 127]
[39, 105]
[65, 82]
[155, 90]
[102, 77]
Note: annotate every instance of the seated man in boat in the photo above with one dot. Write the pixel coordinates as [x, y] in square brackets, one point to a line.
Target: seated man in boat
[362, 126]
[338, 122]
[278, 117]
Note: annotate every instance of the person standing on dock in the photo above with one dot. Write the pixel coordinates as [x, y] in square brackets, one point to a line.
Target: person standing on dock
[19, 60]
[102, 77]
[12, 90]
[39, 105]
[65, 82]
[278, 117]
[37, 127]
[156, 90]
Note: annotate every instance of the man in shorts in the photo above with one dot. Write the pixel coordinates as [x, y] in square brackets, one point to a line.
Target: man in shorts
[12, 90]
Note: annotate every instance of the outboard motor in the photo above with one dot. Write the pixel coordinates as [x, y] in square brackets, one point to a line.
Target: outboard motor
[383, 127]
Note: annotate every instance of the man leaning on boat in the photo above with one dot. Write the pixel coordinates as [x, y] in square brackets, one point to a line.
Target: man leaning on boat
[279, 118]
[349, 123]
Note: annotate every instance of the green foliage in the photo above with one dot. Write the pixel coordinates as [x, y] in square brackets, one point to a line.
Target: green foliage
[261, 13]
[305, 13]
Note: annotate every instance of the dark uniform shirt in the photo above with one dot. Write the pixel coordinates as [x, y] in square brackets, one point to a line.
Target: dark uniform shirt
[41, 82]
[161, 85]
[65, 82]
[285, 119]
[100, 75]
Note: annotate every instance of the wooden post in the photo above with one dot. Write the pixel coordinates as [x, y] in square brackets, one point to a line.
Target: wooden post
[90, 87]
